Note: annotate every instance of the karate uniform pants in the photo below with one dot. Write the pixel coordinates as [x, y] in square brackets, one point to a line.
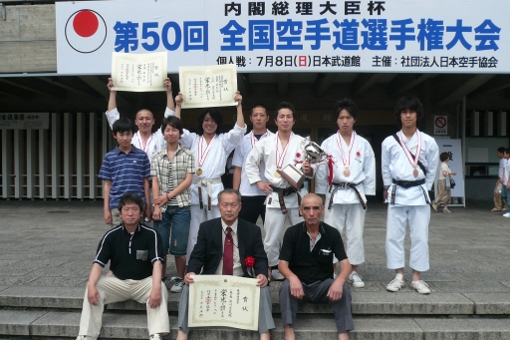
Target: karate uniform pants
[352, 218]
[112, 289]
[419, 218]
[266, 321]
[317, 293]
[274, 227]
[198, 216]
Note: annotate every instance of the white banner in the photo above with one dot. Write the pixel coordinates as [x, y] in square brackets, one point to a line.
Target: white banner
[224, 300]
[433, 36]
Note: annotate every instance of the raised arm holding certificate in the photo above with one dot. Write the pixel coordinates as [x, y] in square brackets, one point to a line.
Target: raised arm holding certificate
[208, 86]
[139, 72]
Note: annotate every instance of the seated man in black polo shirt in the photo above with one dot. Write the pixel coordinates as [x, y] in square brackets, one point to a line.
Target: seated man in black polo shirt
[306, 261]
[136, 256]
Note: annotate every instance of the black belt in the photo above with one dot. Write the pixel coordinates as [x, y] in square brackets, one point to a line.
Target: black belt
[283, 192]
[345, 185]
[408, 184]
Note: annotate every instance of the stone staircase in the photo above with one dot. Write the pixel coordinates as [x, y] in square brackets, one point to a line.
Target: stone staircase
[28, 312]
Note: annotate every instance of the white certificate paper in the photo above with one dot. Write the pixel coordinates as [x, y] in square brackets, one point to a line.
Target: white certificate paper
[208, 86]
[139, 72]
[223, 300]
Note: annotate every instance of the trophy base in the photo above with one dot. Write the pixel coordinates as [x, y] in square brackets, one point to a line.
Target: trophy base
[293, 175]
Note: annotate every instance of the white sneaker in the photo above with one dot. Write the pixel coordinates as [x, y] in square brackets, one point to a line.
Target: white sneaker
[276, 275]
[421, 287]
[178, 284]
[507, 215]
[356, 280]
[395, 284]
[155, 337]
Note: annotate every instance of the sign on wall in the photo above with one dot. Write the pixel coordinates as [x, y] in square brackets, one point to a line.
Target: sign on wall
[440, 125]
[24, 121]
[433, 36]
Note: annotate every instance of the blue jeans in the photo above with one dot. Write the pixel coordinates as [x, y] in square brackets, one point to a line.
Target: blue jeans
[178, 219]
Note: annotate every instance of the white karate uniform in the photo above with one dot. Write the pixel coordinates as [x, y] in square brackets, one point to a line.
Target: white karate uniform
[265, 150]
[411, 203]
[156, 141]
[210, 179]
[347, 211]
[239, 160]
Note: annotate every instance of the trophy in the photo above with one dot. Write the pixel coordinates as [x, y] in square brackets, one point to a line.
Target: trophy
[293, 173]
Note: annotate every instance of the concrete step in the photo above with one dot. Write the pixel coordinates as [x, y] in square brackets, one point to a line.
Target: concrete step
[64, 325]
[364, 303]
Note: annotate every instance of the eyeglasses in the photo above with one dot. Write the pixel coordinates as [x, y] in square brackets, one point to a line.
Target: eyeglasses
[232, 205]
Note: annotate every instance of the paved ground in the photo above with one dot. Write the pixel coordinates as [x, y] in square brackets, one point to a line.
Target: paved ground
[52, 244]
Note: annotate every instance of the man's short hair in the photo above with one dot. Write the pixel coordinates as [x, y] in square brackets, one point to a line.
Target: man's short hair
[501, 149]
[347, 105]
[215, 115]
[230, 191]
[285, 105]
[507, 151]
[258, 105]
[130, 197]
[174, 122]
[444, 156]
[408, 103]
[123, 125]
[313, 195]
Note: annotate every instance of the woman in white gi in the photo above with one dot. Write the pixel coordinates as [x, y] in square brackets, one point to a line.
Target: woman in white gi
[276, 152]
[345, 180]
[409, 163]
[211, 149]
[444, 193]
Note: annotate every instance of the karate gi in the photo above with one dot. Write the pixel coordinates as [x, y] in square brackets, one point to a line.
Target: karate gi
[265, 151]
[250, 192]
[156, 141]
[409, 203]
[210, 179]
[347, 211]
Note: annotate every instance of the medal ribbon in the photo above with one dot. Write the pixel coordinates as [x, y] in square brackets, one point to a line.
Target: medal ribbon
[346, 157]
[202, 154]
[254, 140]
[144, 146]
[281, 156]
[413, 160]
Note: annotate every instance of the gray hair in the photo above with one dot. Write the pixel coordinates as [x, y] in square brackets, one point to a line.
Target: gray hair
[230, 191]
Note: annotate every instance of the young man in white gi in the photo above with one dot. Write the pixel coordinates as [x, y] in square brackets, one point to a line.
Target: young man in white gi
[211, 149]
[144, 139]
[345, 181]
[282, 201]
[409, 163]
[253, 198]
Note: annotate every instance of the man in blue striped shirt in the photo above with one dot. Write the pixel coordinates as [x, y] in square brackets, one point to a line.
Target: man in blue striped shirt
[124, 169]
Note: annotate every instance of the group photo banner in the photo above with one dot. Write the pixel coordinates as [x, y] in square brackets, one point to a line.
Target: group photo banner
[395, 36]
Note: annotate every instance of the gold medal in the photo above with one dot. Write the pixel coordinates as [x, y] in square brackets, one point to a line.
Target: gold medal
[277, 174]
[415, 172]
[199, 171]
[347, 173]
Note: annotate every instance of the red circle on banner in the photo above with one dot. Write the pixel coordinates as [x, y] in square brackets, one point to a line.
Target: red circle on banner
[85, 23]
[440, 122]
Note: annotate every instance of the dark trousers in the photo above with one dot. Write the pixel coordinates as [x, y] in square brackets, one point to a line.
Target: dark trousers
[317, 293]
[252, 208]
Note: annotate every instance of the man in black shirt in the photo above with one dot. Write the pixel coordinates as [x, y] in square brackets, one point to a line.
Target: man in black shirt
[306, 261]
[136, 256]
